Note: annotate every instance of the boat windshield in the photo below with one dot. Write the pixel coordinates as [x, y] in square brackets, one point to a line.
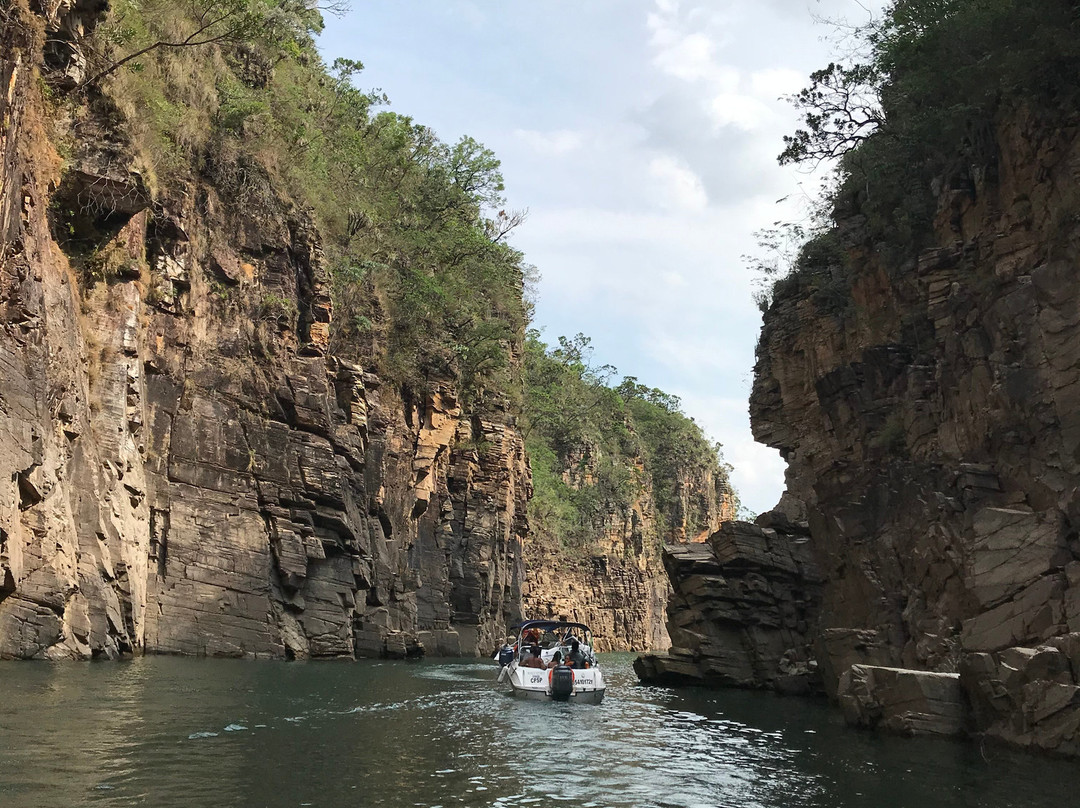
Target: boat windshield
[553, 635]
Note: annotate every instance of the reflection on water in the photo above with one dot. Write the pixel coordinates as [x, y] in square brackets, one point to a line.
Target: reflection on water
[182, 732]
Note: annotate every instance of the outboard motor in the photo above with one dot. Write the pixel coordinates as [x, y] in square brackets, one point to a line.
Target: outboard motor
[562, 683]
[506, 655]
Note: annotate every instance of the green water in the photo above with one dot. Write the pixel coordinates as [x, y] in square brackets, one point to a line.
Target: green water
[182, 732]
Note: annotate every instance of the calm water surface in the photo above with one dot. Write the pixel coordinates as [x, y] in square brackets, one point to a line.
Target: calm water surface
[181, 732]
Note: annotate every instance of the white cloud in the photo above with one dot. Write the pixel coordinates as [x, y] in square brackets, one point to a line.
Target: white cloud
[557, 142]
[672, 278]
[742, 111]
[694, 354]
[642, 135]
[756, 468]
[679, 187]
[689, 57]
[778, 82]
[686, 51]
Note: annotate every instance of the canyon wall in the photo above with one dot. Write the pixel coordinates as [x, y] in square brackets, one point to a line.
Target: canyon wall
[618, 470]
[619, 586]
[185, 466]
[743, 609]
[929, 413]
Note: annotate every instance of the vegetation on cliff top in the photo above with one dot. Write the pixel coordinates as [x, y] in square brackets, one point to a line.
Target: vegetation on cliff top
[414, 229]
[233, 93]
[917, 110]
[597, 448]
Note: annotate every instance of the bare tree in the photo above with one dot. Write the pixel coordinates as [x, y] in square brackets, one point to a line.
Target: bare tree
[841, 110]
[504, 222]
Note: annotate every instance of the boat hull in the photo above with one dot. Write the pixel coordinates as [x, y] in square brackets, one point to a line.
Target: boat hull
[534, 684]
[582, 697]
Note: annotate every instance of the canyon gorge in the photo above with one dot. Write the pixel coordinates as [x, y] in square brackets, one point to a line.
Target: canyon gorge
[216, 436]
[268, 389]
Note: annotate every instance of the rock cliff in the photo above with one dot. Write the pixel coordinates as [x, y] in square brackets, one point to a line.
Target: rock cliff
[928, 412]
[618, 471]
[185, 466]
[619, 586]
[743, 610]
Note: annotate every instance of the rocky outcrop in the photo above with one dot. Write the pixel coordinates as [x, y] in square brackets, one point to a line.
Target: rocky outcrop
[928, 414]
[618, 585]
[904, 702]
[618, 588]
[1028, 697]
[742, 610]
[184, 468]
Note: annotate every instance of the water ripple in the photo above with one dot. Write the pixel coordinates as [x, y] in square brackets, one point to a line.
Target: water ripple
[174, 732]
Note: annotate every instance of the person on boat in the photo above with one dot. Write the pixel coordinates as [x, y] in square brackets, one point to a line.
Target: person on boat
[532, 637]
[533, 660]
[575, 659]
[507, 653]
[556, 660]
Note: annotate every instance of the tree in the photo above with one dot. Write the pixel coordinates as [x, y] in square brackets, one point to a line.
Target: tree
[592, 446]
[212, 22]
[840, 110]
[921, 100]
[564, 389]
[843, 106]
[475, 172]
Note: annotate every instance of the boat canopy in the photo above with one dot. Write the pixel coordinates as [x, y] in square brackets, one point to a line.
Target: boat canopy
[547, 625]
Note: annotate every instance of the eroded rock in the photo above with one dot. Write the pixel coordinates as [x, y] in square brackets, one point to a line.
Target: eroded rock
[903, 701]
[184, 466]
[931, 425]
[618, 585]
[1028, 696]
[741, 611]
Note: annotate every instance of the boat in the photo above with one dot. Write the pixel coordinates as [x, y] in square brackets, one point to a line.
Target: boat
[569, 673]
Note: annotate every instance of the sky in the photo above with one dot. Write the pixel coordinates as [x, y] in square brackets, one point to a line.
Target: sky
[641, 136]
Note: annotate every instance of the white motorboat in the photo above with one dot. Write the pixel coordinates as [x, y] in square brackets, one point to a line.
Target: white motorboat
[552, 660]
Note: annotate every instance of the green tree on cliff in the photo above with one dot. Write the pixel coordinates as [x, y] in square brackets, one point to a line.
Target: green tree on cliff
[280, 23]
[415, 229]
[920, 106]
[595, 447]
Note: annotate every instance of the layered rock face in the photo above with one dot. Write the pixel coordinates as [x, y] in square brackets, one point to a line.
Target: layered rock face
[742, 611]
[620, 588]
[931, 427]
[903, 701]
[621, 599]
[184, 468]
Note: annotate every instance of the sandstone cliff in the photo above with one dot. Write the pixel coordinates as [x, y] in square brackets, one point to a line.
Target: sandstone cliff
[618, 585]
[918, 370]
[929, 423]
[618, 472]
[185, 467]
[743, 610]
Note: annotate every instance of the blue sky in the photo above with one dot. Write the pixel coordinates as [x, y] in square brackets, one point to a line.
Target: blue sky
[641, 135]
